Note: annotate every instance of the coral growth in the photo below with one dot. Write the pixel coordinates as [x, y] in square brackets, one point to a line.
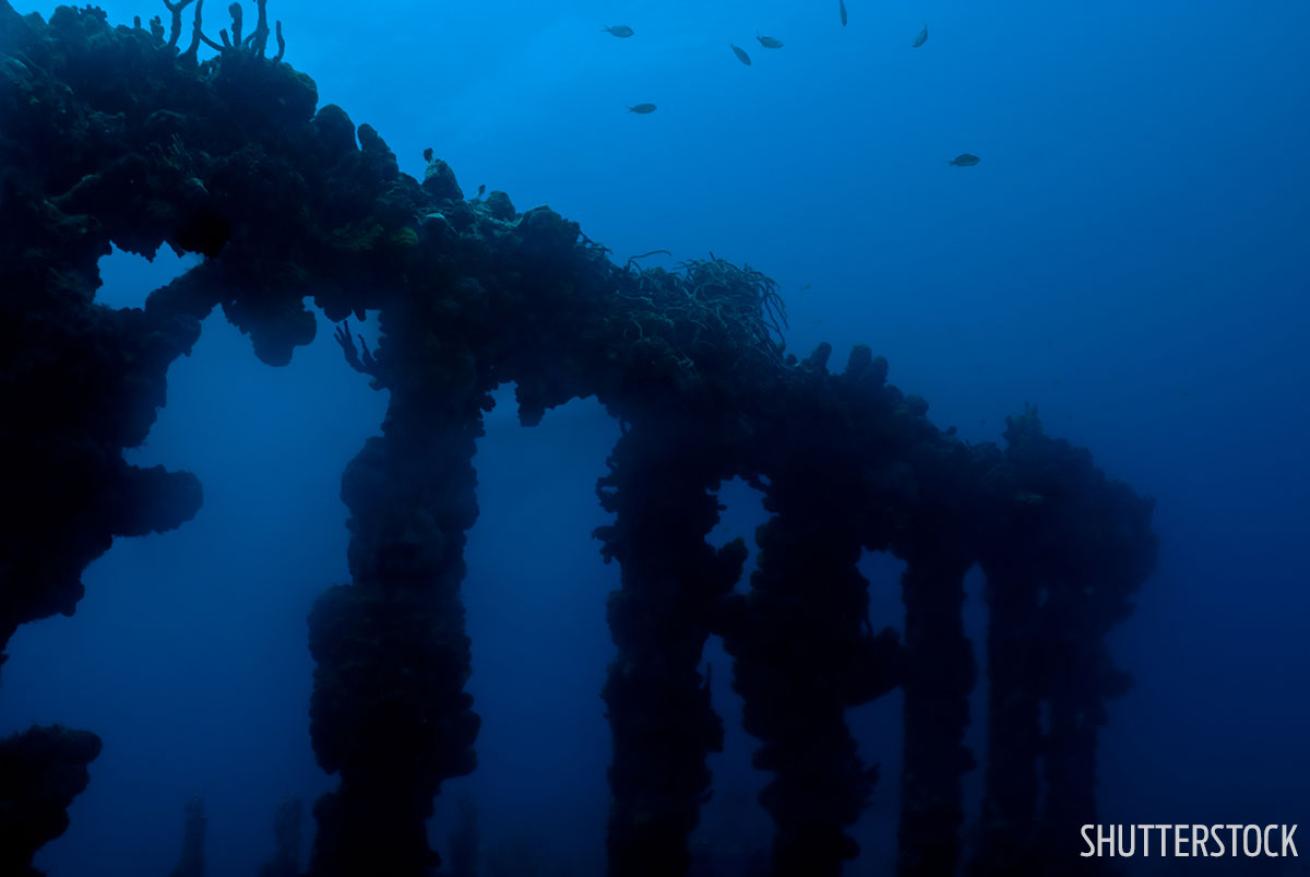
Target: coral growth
[1063, 555]
[662, 474]
[41, 771]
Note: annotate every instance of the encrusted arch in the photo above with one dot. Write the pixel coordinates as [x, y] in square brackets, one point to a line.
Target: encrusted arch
[113, 134]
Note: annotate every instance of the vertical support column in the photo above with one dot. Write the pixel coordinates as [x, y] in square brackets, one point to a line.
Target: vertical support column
[1081, 678]
[804, 653]
[804, 647]
[939, 675]
[1014, 737]
[1070, 772]
[389, 712]
[660, 490]
[191, 861]
[1071, 548]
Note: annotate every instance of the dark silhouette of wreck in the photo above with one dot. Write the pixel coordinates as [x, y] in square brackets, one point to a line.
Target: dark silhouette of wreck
[120, 135]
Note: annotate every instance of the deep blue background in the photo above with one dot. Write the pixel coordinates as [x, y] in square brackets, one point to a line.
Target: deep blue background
[1131, 255]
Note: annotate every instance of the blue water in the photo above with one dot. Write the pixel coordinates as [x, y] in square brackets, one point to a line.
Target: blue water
[1132, 255]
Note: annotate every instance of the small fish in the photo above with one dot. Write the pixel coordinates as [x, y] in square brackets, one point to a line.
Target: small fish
[921, 38]
[642, 109]
[769, 42]
[622, 31]
[741, 55]
[842, 5]
[965, 159]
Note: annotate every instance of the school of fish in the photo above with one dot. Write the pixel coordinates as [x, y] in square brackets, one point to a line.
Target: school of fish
[623, 32]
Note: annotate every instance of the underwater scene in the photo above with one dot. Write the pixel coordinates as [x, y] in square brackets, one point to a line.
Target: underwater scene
[616, 438]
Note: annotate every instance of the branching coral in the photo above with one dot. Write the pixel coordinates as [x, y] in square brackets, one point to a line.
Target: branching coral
[175, 8]
[710, 312]
[361, 359]
[230, 39]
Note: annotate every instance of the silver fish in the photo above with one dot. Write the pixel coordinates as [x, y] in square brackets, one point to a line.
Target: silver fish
[769, 42]
[741, 54]
[965, 159]
[842, 4]
[642, 109]
[921, 38]
[622, 31]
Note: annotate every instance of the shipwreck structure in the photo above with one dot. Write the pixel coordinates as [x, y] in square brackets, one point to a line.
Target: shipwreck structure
[124, 136]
